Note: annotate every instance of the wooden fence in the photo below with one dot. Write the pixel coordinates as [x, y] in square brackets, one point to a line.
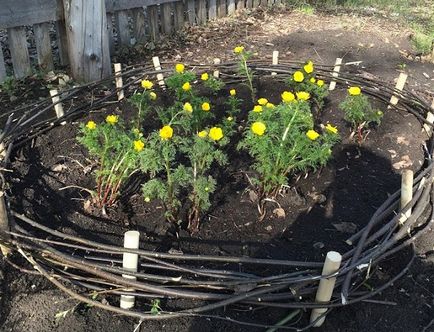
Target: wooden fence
[40, 25]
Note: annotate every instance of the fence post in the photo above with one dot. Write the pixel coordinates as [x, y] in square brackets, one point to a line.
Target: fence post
[336, 70]
[88, 44]
[130, 262]
[325, 288]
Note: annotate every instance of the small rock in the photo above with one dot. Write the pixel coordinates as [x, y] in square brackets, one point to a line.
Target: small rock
[279, 212]
[318, 245]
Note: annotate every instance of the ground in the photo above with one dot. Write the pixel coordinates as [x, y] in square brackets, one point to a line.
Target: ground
[351, 186]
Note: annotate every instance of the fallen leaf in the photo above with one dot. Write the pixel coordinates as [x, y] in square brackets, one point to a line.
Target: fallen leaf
[58, 168]
[253, 196]
[279, 212]
[402, 140]
[86, 205]
[346, 227]
[392, 153]
[404, 163]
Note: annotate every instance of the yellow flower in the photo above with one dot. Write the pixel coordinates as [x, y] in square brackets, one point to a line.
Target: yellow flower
[269, 105]
[354, 91]
[303, 95]
[206, 107]
[233, 92]
[166, 132]
[238, 49]
[179, 68]
[202, 134]
[152, 95]
[320, 83]
[188, 108]
[287, 96]
[379, 113]
[215, 133]
[147, 84]
[262, 101]
[186, 86]
[258, 128]
[298, 76]
[111, 119]
[204, 77]
[229, 118]
[257, 109]
[308, 68]
[147, 199]
[312, 135]
[312, 80]
[91, 125]
[138, 145]
[331, 129]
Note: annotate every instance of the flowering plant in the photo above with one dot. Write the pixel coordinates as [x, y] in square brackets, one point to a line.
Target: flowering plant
[243, 68]
[358, 112]
[282, 140]
[305, 80]
[118, 153]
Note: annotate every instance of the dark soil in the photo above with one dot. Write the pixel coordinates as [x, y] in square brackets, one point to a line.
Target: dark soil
[349, 189]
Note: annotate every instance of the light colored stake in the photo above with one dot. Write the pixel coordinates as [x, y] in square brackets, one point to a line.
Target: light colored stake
[130, 262]
[430, 119]
[216, 73]
[325, 289]
[4, 220]
[336, 71]
[119, 82]
[157, 66]
[55, 97]
[399, 86]
[275, 60]
[406, 192]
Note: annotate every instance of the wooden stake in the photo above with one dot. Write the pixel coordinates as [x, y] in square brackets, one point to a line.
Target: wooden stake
[325, 289]
[157, 66]
[4, 220]
[430, 119]
[119, 82]
[275, 60]
[399, 86]
[130, 262]
[336, 71]
[55, 97]
[216, 73]
[406, 192]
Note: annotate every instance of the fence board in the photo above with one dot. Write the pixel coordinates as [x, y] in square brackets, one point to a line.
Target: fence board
[139, 20]
[201, 12]
[191, 11]
[241, 4]
[28, 12]
[249, 3]
[166, 18]
[154, 31]
[110, 33]
[231, 7]
[179, 15]
[19, 51]
[62, 43]
[43, 46]
[256, 3]
[3, 74]
[123, 28]
[221, 10]
[212, 11]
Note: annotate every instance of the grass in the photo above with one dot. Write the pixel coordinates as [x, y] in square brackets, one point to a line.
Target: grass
[418, 15]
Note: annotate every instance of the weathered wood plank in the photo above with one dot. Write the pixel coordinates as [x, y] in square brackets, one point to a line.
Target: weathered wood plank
[19, 52]
[139, 26]
[221, 10]
[62, 43]
[179, 15]
[231, 7]
[43, 46]
[3, 73]
[28, 12]
[212, 10]
[166, 18]
[249, 3]
[89, 52]
[123, 28]
[191, 12]
[154, 30]
[241, 4]
[201, 12]
[256, 3]
[111, 38]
